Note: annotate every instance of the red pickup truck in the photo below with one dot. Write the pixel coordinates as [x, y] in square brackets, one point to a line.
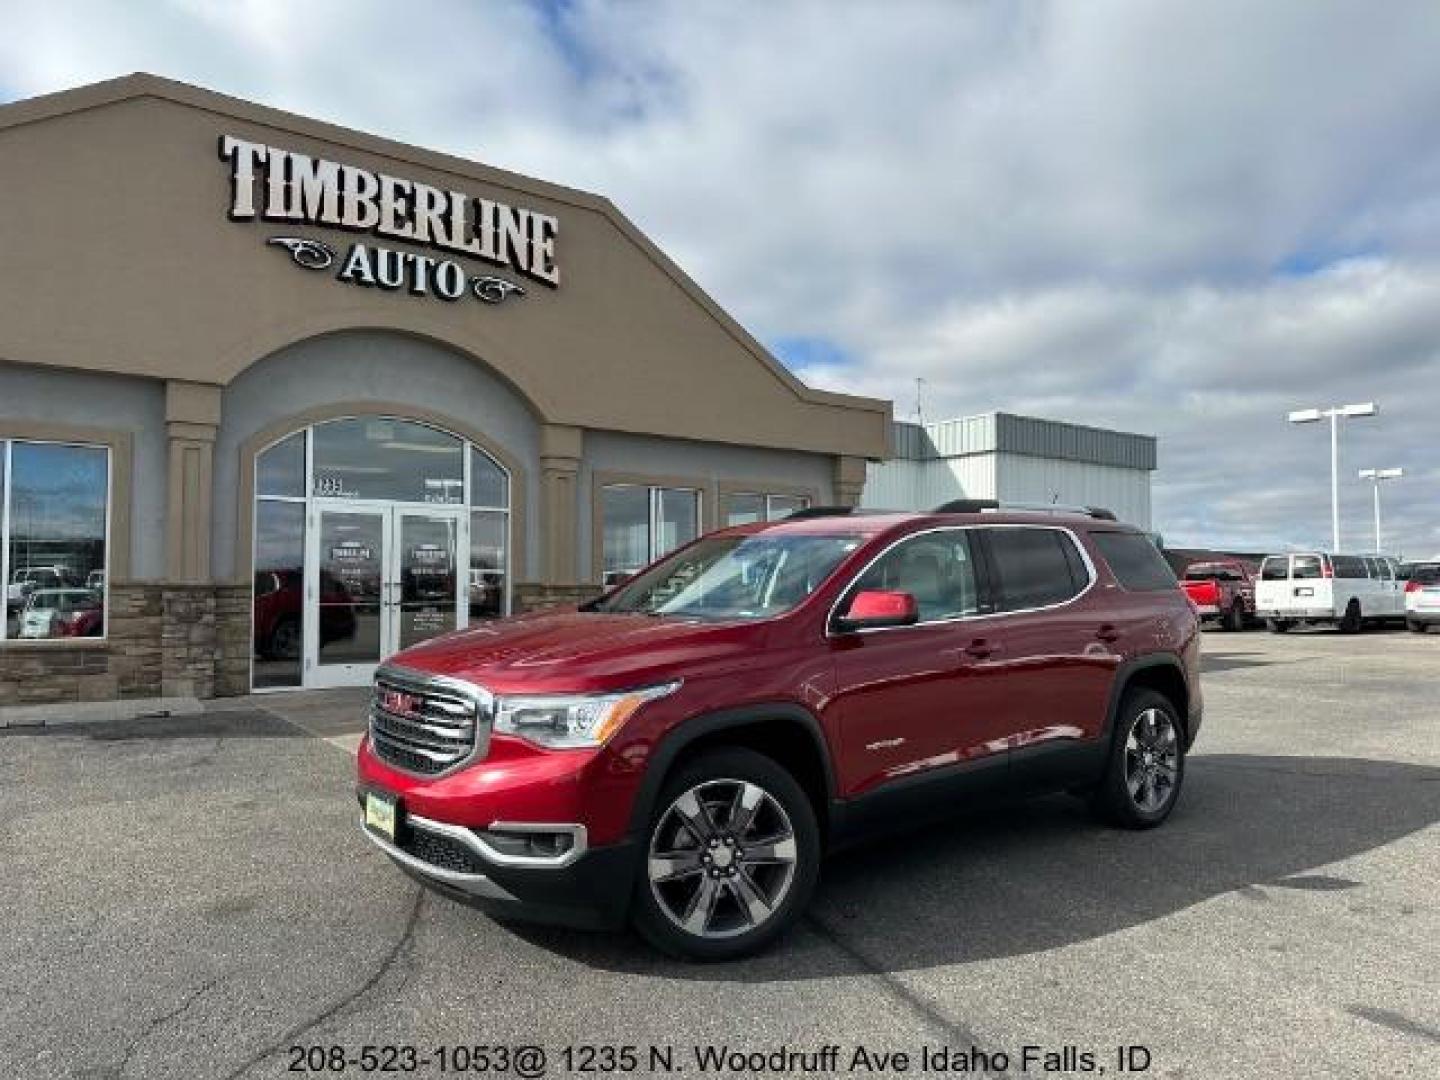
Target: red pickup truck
[1223, 591]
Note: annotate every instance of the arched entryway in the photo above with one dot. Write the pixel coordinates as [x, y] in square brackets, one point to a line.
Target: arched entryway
[372, 533]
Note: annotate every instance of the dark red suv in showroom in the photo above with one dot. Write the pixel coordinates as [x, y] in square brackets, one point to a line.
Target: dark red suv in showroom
[682, 752]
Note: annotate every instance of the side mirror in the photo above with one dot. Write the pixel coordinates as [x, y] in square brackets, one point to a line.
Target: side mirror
[874, 609]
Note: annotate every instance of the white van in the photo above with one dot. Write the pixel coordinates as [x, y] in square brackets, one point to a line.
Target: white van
[1345, 591]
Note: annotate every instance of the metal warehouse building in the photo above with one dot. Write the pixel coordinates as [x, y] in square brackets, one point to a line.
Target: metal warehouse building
[1021, 459]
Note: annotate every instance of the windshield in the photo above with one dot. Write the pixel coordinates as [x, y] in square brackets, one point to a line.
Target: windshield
[733, 577]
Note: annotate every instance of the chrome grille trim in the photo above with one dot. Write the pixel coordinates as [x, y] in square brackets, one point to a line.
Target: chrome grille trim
[446, 726]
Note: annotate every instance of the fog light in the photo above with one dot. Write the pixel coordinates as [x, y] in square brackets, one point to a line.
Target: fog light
[530, 845]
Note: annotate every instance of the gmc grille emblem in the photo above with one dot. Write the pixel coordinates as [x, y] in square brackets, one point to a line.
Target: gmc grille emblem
[398, 701]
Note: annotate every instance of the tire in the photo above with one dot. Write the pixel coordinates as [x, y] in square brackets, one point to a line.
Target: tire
[1415, 626]
[284, 643]
[1234, 619]
[1278, 626]
[1146, 768]
[1352, 620]
[751, 901]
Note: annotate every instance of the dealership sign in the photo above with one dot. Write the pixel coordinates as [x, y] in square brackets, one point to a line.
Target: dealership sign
[278, 185]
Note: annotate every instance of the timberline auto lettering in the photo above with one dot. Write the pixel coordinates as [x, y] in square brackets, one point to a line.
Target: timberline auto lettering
[294, 187]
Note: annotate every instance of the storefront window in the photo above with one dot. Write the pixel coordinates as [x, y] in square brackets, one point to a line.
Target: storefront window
[746, 508]
[279, 592]
[489, 486]
[643, 523]
[280, 470]
[54, 519]
[383, 458]
[489, 541]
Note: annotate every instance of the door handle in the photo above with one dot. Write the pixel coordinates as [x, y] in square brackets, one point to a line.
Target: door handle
[979, 649]
[1108, 634]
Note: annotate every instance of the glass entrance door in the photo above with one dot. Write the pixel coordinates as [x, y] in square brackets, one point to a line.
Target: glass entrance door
[378, 579]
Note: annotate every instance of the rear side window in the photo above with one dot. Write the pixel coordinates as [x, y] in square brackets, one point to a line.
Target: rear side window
[1275, 568]
[1351, 566]
[1035, 568]
[1307, 568]
[1135, 561]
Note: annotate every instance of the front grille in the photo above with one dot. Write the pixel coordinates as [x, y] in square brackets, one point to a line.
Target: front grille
[424, 726]
[442, 851]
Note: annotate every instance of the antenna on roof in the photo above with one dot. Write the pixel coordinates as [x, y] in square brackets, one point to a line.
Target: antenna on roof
[919, 401]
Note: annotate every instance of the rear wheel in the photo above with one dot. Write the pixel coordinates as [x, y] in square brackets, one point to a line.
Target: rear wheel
[732, 856]
[1278, 626]
[1147, 763]
[1415, 626]
[1352, 620]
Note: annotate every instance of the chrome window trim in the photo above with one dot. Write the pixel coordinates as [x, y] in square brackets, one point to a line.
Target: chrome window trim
[420, 682]
[830, 617]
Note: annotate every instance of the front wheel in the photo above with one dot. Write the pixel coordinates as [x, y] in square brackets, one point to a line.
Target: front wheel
[1147, 763]
[732, 856]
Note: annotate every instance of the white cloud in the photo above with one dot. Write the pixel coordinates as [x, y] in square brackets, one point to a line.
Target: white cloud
[1086, 210]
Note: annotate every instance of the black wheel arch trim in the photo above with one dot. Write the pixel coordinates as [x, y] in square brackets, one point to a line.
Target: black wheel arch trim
[687, 733]
[1125, 674]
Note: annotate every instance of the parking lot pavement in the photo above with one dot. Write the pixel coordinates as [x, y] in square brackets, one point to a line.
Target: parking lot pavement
[191, 897]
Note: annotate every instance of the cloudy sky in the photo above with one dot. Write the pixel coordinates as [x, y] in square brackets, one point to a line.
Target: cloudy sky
[1159, 215]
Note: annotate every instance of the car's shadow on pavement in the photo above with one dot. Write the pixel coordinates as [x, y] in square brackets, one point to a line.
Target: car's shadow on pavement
[1040, 875]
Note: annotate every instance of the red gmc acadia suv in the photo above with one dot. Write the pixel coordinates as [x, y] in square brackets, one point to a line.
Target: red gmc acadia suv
[683, 751]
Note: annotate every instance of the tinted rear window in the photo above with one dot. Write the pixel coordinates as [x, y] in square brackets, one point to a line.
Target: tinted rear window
[1033, 568]
[1275, 568]
[1426, 575]
[1135, 561]
[1350, 566]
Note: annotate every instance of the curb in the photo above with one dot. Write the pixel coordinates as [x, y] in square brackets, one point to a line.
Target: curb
[68, 714]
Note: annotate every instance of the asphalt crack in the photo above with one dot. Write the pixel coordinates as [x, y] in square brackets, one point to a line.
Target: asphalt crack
[160, 1021]
[389, 961]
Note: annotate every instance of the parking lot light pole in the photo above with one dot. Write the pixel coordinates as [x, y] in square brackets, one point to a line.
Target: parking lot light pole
[1376, 478]
[1311, 416]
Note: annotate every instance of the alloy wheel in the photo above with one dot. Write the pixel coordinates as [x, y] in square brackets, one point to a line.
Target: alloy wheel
[1152, 760]
[722, 858]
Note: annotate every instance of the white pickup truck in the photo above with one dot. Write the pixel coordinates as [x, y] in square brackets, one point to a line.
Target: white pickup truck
[1345, 591]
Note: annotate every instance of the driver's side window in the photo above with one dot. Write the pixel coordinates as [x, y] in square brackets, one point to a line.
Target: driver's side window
[936, 568]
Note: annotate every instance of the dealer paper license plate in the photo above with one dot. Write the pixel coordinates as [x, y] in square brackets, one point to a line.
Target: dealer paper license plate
[380, 814]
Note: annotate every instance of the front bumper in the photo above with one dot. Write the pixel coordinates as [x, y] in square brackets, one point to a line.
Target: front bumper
[588, 889]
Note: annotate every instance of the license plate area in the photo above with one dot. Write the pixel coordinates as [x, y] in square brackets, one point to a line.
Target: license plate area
[382, 814]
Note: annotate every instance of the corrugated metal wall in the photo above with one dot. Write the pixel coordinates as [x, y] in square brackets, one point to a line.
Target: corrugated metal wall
[924, 485]
[1023, 478]
[1008, 433]
[1069, 442]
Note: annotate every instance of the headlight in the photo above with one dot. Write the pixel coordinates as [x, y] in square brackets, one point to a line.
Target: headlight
[565, 721]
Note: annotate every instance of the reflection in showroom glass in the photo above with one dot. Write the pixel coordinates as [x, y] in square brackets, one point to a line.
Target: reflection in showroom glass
[53, 525]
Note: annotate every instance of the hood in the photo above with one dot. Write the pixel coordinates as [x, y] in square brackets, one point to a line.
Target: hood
[580, 651]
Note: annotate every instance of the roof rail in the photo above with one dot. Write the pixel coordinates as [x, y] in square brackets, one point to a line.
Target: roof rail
[982, 506]
[819, 512]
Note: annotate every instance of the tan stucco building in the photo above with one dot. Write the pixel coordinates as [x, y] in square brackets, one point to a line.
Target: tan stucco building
[278, 398]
